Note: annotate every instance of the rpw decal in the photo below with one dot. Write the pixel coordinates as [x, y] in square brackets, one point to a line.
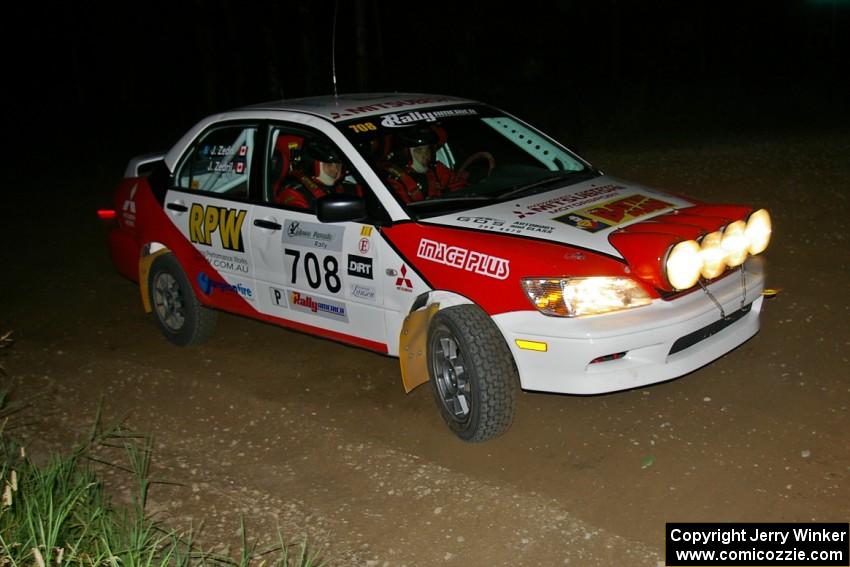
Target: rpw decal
[464, 259]
[204, 221]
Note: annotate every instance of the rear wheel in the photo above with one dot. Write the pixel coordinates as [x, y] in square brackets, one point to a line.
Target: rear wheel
[178, 313]
[473, 376]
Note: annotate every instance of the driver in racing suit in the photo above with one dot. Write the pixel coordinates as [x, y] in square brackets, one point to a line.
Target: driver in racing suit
[327, 178]
[421, 177]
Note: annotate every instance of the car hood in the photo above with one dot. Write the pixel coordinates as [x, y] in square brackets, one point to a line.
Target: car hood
[583, 214]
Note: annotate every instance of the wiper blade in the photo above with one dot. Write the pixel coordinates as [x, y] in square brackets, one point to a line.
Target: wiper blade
[449, 200]
[531, 187]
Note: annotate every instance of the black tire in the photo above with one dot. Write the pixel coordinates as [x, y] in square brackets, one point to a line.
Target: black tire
[473, 376]
[176, 309]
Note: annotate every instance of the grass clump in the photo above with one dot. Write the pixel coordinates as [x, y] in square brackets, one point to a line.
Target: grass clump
[58, 512]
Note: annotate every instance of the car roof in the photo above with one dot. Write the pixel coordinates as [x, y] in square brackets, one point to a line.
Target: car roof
[334, 109]
[345, 106]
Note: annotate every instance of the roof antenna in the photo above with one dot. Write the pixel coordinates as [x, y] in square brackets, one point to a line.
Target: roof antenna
[333, 48]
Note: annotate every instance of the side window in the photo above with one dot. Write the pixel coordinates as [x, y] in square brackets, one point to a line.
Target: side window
[220, 162]
[303, 166]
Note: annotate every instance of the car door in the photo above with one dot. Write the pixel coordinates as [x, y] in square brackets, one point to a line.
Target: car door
[318, 277]
[208, 203]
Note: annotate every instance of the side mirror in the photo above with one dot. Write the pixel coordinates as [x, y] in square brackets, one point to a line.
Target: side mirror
[340, 208]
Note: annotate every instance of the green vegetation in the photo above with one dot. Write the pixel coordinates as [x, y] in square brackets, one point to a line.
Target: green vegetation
[59, 513]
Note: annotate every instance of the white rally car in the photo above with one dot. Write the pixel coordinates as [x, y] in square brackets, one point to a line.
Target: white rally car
[530, 269]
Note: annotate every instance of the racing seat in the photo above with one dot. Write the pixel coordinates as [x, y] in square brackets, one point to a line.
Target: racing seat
[284, 163]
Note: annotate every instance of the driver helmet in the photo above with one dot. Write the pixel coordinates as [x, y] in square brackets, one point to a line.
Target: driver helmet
[416, 137]
[319, 153]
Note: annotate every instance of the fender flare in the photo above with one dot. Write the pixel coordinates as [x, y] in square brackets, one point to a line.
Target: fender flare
[148, 255]
[413, 338]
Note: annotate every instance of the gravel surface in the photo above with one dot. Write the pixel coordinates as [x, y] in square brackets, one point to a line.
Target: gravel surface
[318, 439]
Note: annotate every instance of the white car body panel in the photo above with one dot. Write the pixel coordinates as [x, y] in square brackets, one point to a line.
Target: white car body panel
[646, 334]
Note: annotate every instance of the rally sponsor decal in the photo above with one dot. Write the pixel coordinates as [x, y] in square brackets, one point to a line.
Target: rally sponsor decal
[326, 308]
[505, 226]
[397, 120]
[464, 259]
[387, 105]
[208, 286]
[365, 242]
[567, 202]
[128, 209]
[313, 235]
[613, 213]
[485, 222]
[360, 266]
[364, 292]
[204, 222]
[318, 267]
[402, 282]
[364, 245]
[278, 297]
[583, 222]
[526, 227]
[227, 262]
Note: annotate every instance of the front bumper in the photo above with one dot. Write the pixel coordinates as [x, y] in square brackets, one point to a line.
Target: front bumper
[642, 339]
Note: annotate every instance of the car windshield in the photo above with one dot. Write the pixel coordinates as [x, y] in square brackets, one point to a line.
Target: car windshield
[448, 159]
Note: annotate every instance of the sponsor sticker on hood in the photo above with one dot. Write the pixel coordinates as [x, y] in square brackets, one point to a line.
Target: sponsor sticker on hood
[613, 213]
[566, 202]
[571, 215]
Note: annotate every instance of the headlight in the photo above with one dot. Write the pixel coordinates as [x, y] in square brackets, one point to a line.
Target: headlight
[574, 297]
[758, 231]
[713, 255]
[736, 243]
[684, 265]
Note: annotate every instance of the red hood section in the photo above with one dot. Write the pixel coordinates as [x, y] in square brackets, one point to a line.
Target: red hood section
[644, 245]
[486, 267]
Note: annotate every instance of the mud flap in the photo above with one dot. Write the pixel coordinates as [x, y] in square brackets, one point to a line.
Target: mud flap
[412, 347]
[145, 268]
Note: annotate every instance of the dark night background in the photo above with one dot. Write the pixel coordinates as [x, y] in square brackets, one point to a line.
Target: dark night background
[725, 101]
[128, 78]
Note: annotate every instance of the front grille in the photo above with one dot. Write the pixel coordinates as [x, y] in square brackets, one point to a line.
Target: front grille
[691, 339]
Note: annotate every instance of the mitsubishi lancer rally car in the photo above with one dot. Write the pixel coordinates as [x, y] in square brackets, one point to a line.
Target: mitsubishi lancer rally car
[503, 261]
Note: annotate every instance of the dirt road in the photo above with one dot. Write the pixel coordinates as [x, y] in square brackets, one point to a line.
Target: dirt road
[319, 438]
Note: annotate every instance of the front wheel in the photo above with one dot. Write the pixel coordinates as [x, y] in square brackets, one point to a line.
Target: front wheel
[473, 376]
[178, 313]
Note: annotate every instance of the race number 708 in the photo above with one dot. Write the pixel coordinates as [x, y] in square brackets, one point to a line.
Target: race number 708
[313, 271]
